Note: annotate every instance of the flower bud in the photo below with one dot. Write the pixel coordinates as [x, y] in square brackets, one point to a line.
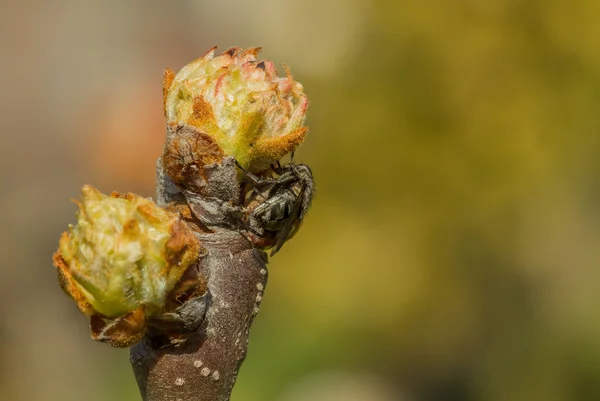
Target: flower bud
[241, 103]
[124, 253]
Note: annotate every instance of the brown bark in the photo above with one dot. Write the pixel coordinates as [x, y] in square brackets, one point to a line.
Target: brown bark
[205, 366]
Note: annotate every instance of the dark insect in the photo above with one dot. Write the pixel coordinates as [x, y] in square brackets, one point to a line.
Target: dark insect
[277, 206]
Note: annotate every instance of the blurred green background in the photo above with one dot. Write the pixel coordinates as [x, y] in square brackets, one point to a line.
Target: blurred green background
[452, 251]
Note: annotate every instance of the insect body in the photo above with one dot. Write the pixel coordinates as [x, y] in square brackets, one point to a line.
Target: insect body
[277, 206]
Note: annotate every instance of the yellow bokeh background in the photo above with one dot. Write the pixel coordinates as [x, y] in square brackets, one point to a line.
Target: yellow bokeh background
[452, 251]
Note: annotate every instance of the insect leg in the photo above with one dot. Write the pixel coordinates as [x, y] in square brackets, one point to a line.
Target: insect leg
[256, 180]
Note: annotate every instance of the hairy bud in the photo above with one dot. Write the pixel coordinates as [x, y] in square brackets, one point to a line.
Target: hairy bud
[240, 102]
[123, 258]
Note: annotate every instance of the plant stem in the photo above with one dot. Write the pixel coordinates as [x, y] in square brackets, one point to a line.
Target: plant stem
[205, 366]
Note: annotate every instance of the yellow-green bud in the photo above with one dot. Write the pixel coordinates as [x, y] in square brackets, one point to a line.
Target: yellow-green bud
[240, 102]
[125, 252]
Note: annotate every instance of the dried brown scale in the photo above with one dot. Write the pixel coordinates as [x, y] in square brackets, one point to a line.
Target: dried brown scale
[122, 332]
[191, 284]
[185, 213]
[186, 152]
